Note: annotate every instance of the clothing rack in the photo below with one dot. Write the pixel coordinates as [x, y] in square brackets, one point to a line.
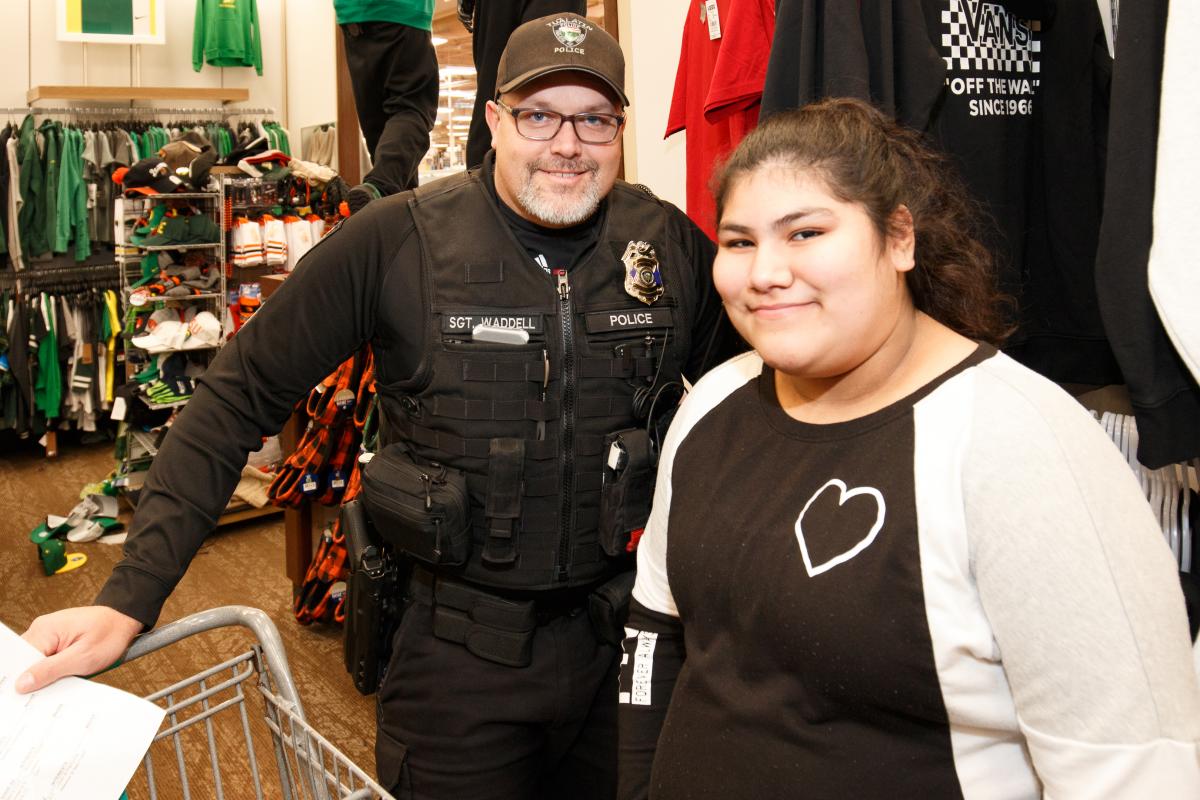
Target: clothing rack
[124, 111]
[71, 280]
[58, 277]
[1169, 490]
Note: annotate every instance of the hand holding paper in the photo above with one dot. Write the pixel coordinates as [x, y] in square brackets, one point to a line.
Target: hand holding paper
[72, 740]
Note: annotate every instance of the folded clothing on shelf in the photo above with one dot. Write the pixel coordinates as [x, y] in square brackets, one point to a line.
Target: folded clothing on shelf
[173, 228]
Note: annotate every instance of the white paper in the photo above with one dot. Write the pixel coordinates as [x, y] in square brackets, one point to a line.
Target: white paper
[73, 739]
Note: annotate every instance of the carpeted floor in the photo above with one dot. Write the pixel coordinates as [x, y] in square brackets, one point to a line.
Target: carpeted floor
[240, 565]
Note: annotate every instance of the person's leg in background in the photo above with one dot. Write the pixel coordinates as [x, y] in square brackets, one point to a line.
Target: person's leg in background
[494, 21]
[394, 74]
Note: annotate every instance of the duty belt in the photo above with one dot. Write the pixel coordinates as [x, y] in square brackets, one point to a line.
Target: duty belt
[494, 628]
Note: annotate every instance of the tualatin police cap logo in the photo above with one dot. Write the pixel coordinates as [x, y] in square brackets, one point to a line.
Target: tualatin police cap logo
[570, 33]
[643, 278]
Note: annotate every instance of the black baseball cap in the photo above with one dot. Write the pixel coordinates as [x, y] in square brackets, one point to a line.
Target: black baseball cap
[560, 43]
[148, 176]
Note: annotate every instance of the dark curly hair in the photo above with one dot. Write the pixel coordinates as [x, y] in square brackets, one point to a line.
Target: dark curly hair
[865, 157]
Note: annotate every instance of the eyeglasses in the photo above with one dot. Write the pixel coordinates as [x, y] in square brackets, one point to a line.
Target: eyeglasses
[540, 125]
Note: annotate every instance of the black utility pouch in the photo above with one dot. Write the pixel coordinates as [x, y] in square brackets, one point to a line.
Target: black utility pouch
[493, 628]
[608, 608]
[372, 601]
[626, 488]
[421, 510]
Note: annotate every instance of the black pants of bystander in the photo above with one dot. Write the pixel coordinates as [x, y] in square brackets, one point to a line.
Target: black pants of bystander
[394, 73]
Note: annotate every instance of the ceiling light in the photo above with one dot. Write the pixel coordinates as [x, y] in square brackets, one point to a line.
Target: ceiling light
[438, 41]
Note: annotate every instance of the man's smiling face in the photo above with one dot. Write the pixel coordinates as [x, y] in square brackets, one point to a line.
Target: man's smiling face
[561, 181]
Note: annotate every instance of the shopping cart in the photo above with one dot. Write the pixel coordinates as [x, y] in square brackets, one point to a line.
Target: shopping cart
[207, 725]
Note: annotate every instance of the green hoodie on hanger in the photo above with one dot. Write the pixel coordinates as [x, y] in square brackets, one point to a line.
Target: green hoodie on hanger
[227, 35]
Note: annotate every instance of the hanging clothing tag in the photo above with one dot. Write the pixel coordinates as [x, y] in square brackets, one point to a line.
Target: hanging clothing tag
[118, 409]
[714, 19]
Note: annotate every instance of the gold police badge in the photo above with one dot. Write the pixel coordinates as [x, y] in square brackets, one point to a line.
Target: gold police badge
[643, 278]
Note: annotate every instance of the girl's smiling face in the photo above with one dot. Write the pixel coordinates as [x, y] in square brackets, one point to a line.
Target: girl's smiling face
[806, 278]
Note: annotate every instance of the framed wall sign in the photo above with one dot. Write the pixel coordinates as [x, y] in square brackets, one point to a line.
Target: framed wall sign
[112, 21]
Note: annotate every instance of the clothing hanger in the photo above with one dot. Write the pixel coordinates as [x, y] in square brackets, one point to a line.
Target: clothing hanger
[1175, 499]
[1185, 515]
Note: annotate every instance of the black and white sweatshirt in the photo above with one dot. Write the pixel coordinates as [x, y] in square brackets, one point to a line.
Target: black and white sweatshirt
[963, 594]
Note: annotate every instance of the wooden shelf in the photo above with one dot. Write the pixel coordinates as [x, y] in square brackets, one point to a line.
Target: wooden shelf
[246, 512]
[126, 93]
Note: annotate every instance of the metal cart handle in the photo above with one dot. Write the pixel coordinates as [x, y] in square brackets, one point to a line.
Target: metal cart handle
[253, 619]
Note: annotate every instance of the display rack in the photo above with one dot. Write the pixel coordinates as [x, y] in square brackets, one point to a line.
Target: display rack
[137, 448]
[297, 522]
[126, 93]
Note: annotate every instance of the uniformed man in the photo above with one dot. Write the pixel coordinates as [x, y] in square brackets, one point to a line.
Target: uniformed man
[530, 320]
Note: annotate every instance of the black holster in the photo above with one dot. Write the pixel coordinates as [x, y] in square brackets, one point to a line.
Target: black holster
[608, 607]
[373, 602]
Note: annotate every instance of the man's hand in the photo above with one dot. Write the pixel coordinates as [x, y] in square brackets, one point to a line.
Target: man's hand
[78, 641]
[466, 14]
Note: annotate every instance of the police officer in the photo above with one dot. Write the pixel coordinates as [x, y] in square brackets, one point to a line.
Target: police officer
[530, 321]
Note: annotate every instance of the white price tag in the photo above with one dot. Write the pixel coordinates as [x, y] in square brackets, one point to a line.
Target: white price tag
[118, 409]
[714, 19]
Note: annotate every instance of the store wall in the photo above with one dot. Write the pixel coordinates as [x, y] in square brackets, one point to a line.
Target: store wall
[30, 56]
[311, 64]
[651, 34]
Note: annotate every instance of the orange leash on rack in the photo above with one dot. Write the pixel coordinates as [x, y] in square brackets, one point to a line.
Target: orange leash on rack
[339, 408]
[328, 566]
[366, 392]
[329, 433]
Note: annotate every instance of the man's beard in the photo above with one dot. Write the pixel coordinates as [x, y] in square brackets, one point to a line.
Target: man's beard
[557, 208]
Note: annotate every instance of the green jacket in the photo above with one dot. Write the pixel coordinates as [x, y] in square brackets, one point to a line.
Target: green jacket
[71, 222]
[227, 35]
[31, 221]
[52, 136]
[414, 13]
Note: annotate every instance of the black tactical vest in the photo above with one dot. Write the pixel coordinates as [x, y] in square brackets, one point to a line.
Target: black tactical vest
[526, 422]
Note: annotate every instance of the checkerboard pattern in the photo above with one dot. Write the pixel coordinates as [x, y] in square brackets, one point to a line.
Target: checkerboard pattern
[961, 51]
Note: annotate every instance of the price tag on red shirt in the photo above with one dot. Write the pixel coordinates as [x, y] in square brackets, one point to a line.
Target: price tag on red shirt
[714, 19]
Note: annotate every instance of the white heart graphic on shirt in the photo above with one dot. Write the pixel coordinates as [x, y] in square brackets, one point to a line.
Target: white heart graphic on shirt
[844, 495]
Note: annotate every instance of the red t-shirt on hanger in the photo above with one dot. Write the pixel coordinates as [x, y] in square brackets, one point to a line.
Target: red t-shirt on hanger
[717, 90]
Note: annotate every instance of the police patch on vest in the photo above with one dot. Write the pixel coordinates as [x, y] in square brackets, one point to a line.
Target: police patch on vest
[627, 319]
[465, 321]
[643, 278]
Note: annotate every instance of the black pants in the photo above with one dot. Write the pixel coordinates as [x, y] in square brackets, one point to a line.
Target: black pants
[494, 21]
[454, 726]
[394, 73]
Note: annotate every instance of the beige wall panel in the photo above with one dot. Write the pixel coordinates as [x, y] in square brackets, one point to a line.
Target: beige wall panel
[650, 35]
